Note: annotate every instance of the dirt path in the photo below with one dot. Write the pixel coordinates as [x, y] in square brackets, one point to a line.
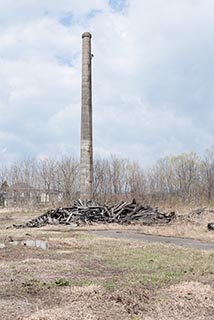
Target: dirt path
[184, 242]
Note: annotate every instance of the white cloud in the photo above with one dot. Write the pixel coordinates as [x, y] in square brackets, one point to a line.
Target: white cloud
[13, 11]
[152, 76]
[166, 53]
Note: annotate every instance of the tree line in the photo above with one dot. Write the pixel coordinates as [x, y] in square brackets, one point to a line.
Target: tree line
[182, 179]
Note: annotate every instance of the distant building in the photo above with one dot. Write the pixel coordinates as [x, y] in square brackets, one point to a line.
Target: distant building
[22, 194]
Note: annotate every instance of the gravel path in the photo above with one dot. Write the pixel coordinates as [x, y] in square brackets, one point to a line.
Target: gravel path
[184, 242]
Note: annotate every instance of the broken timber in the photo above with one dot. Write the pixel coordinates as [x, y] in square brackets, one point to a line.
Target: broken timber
[210, 226]
[89, 213]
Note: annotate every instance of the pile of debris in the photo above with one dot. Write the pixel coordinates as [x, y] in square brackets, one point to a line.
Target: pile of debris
[200, 211]
[88, 213]
[203, 211]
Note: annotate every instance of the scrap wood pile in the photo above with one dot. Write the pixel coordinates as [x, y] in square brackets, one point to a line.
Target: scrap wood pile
[89, 213]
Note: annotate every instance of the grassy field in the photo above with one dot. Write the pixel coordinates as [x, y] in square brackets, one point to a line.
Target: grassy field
[81, 276]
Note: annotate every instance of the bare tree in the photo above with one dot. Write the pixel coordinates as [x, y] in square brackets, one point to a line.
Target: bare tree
[207, 173]
[137, 181]
[102, 180]
[68, 177]
[186, 173]
[46, 173]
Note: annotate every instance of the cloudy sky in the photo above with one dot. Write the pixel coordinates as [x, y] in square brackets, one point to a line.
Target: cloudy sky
[153, 77]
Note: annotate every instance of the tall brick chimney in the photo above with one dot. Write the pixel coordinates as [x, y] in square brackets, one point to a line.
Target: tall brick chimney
[86, 153]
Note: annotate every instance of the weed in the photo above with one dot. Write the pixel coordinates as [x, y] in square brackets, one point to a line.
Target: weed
[45, 235]
[86, 283]
[110, 285]
[62, 283]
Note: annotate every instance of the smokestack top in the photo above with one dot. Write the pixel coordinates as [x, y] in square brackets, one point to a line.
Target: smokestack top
[86, 34]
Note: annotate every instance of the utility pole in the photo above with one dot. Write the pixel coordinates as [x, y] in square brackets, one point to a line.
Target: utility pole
[86, 153]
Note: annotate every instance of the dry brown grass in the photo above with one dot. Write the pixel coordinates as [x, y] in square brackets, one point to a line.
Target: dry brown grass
[187, 300]
[84, 303]
[85, 277]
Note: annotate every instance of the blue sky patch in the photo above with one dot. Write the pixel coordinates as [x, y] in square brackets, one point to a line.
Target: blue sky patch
[65, 61]
[118, 5]
[67, 20]
[93, 13]
[68, 60]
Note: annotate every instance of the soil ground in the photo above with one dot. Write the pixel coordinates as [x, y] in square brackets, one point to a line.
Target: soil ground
[85, 276]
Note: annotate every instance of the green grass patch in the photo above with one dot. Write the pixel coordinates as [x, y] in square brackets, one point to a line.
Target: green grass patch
[86, 283]
[62, 283]
[36, 284]
[110, 285]
[155, 264]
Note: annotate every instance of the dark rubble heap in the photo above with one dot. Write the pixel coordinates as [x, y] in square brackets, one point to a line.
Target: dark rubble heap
[88, 213]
